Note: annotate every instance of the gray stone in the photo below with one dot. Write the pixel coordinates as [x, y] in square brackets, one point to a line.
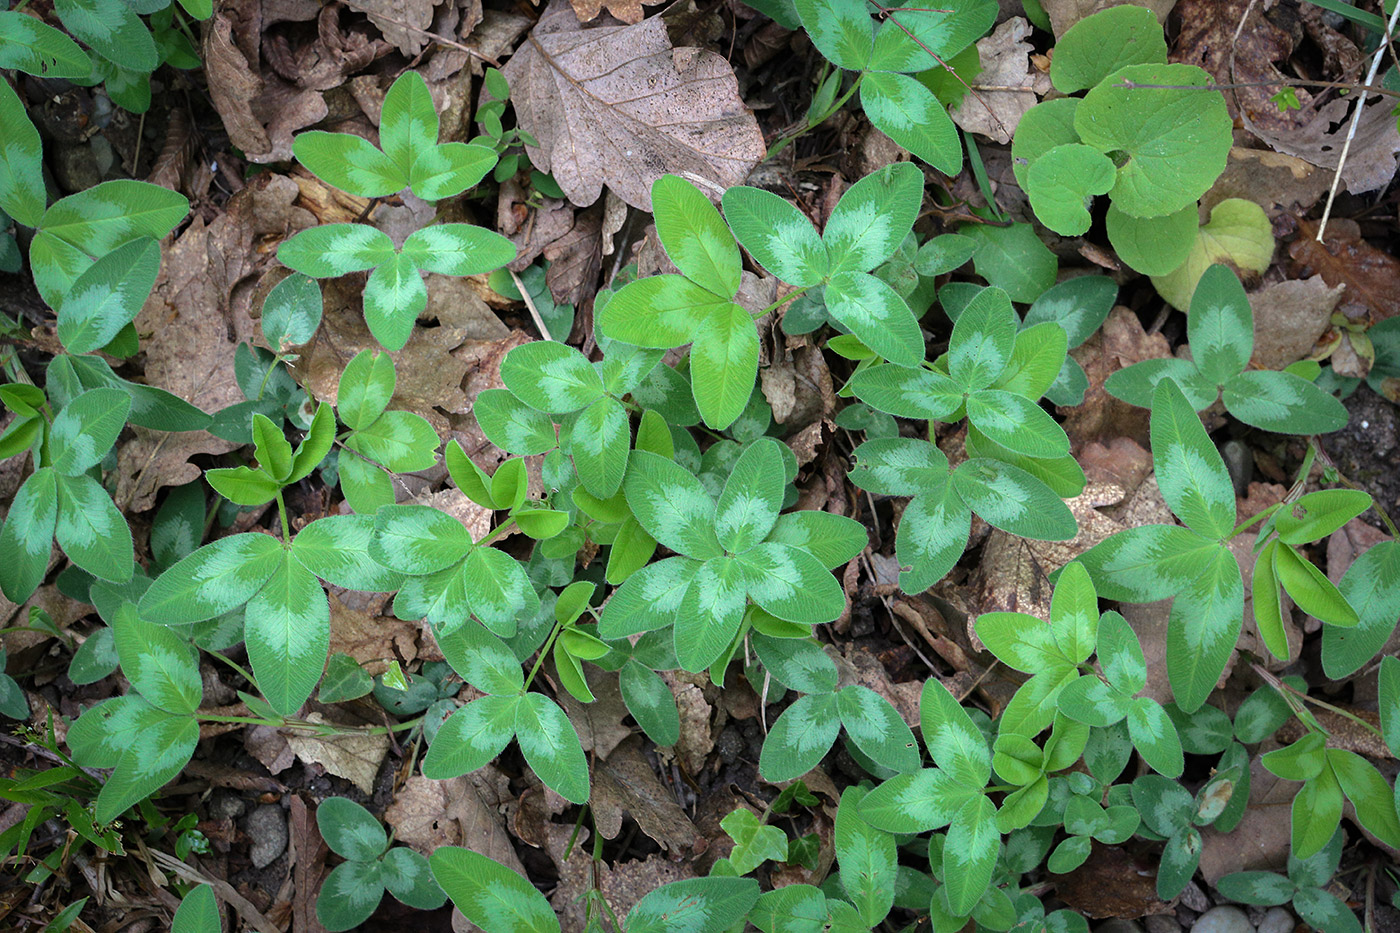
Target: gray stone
[1162, 923]
[1192, 896]
[1223, 919]
[1118, 925]
[224, 805]
[1277, 920]
[1239, 460]
[267, 827]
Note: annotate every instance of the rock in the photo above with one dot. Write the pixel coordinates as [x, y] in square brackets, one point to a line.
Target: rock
[1162, 923]
[226, 805]
[1239, 460]
[1277, 920]
[1224, 919]
[1192, 896]
[267, 827]
[1118, 925]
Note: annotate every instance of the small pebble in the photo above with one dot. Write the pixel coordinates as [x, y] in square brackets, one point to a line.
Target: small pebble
[1192, 896]
[1162, 923]
[1277, 920]
[1223, 919]
[223, 804]
[267, 827]
[1118, 925]
[1240, 463]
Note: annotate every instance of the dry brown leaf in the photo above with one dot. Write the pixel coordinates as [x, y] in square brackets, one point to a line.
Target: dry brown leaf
[268, 745]
[626, 783]
[1371, 277]
[1370, 162]
[403, 22]
[1065, 13]
[695, 712]
[323, 63]
[1348, 543]
[599, 724]
[576, 258]
[617, 105]
[1289, 318]
[1285, 186]
[308, 857]
[623, 885]
[1111, 883]
[355, 756]
[1005, 58]
[627, 11]
[859, 666]
[462, 811]
[371, 639]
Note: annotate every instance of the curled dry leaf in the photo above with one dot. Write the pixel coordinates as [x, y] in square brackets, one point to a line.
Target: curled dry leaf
[355, 756]
[403, 22]
[617, 105]
[1371, 277]
[462, 811]
[1005, 58]
[626, 782]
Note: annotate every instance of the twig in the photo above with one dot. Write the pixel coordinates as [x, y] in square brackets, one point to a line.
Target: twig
[1356, 120]
[437, 38]
[530, 303]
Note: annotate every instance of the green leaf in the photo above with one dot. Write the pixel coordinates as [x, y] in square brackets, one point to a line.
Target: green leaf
[911, 40]
[1316, 813]
[1152, 126]
[651, 703]
[711, 612]
[600, 443]
[1093, 702]
[198, 912]
[1013, 500]
[551, 377]
[800, 739]
[1261, 888]
[394, 296]
[1283, 403]
[408, 121]
[1390, 701]
[1017, 423]
[875, 313]
[899, 466]
[332, 250]
[113, 30]
[490, 895]
[832, 539]
[85, 430]
[954, 741]
[1204, 625]
[108, 295]
[1013, 259]
[796, 663]
[723, 364]
[908, 393]
[671, 505]
[366, 487]
[1180, 857]
[1098, 45]
[366, 385]
[350, 163]
[1153, 245]
[291, 313]
[695, 237]
[417, 539]
[908, 113]
[1135, 384]
[867, 859]
[498, 589]
[217, 578]
[401, 440]
[1036, 360]
[916, 801]
[1147, 562]
[752, 497]
[693, 905]
[1268, 604]
[1190, 471]
[660, 311]
[153, 752]
[873, 217]
[30, 45]
[1311, 590]
[970, 853]
[1371, 585]
[776, 234]
[1239, 233]
[1120, 654]
[842, 31]
[99, 219]
[1165, 805]
[1155, 737]
[754, 842]
[344, 680]
[160, 665]
[406, 875]
[482, 659]
[1325, 911]
[1022, 642]
[457, 249]
[512, 425]
[1042, 128]
[448, 169]
[350, 830]
[1074, 615]
[1315, 515]
[790, 584]
[876, 728]
[288, 635]
[984, 337]
[92, 531]
[932, 535]
[1063, 181]
[1220, 325]
[471, 737]
[1369, 793]
[649, 599]
[551, 747]
[1302, 760]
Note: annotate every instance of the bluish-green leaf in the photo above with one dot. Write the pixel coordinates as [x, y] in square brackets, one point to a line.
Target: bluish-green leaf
[875, 313]
[92, 531]
[908, 113]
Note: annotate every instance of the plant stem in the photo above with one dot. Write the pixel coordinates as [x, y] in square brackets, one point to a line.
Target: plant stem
[282, 513]
[539, 659]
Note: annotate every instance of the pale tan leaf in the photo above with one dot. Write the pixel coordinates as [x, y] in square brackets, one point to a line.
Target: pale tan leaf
[355, 756]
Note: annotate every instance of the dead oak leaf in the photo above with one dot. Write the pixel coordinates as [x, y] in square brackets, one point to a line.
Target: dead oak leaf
[428, 814]
[626, 782]
[618, 105]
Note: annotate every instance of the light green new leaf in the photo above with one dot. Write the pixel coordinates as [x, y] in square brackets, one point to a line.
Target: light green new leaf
[778, 236]
[694, 236]
[1036, 360]
[1190, 471]
[1152, 126]
[1098, 45]
[876, 728]
[1153, 245]
[394, 296]
[800, 738]
[403, 441]
[92, 531]
[512, 425]
[983, 339]
[909, 393]
[217, 578]
[551, 747]
[1369, 793]
[841, 30]
[711, 612]
[160, 665]
[448, 169]
[876, 313]
[873, 217]
[458, 249]
[1074, 614]
[1283, 403]
[1204, 625]
[1063, 181]
[498, 589]
[1316, 813]
[551, 377]
[288, 635]
[350, 163]
[1022, 641]
[723, 364]
[108, 295]
[754, 842]
[752, 497]
[1310, 589]
[30, 45]
[600, 443]
[1012, 500]
[408, 122]
[417, 539]
[490, 895]
[1220, 325]
[85, 430]
[907, 112]
[671, 505]
[472, 737]
[366, 386]
[1316, 515]
[791, 584]
[332, 250]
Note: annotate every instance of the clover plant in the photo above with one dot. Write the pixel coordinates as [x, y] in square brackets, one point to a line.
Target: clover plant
[354, 888]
